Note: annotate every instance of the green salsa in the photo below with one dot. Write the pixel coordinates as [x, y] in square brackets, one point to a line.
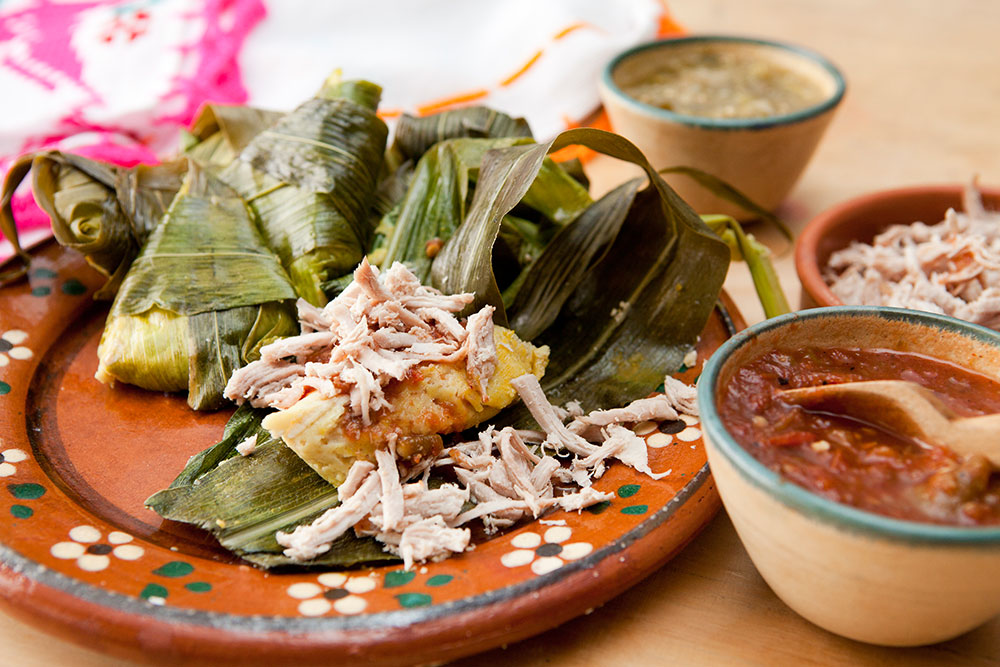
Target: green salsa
[712, 83]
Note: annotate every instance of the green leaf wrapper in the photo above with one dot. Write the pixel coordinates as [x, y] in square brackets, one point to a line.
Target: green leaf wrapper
[637, 312]
[564, 262]
[466, 262]
[103, 211]
[435, 204]
[311, 179]
[631, 316]
[414, 136]
[244, 501]
[220, 132]
[200, 299]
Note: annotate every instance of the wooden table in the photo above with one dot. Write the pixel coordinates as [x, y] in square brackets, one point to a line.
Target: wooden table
[923, 106]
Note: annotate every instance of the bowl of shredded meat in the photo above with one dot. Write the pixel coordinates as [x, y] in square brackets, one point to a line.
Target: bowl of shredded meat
[931, 248]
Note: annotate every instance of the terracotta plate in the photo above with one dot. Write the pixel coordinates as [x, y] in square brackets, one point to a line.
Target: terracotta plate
[81, 556]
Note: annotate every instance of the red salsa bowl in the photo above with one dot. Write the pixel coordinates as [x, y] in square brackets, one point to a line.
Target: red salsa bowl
[861, 533]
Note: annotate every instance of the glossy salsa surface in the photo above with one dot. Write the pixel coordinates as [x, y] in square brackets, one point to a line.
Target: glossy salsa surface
[854, 463]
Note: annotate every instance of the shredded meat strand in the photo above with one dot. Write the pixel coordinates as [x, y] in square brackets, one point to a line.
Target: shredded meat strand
[505, 478]
[374, 332]
[951, 267]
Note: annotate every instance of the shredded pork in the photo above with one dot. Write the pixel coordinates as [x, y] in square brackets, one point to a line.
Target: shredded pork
[374, 332]
[656, 408]
[548, 417]
[505, 478]
[379, 328]
[248, 446]
[952, 267]
[683, 397]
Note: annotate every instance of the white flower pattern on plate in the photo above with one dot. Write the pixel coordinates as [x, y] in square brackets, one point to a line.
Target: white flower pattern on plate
[545, 553]
[684, 429]
[8, 458]
[11, 346]
[93, 555]
[332, 590]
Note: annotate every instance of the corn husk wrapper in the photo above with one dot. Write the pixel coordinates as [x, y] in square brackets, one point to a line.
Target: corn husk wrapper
[145, 192]
[414, 135]
[243, 501]
[311, 179]
[101, 210]
[219, 132]
[22, 260]
[437, 200]
[537, 298]
[634, 292]
[199, 301]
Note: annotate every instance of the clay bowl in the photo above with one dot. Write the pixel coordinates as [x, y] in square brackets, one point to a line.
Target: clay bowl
[763, 157]
[863, 218]
[855, 573]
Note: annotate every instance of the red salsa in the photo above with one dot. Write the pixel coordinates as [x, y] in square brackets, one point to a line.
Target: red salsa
[856, 464]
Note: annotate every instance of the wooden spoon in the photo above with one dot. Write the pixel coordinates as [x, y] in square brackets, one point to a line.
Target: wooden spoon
[908, 409]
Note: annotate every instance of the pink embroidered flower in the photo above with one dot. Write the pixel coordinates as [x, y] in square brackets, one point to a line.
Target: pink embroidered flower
[114, 81]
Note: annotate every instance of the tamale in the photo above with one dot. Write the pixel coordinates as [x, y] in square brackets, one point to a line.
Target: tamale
[220, 132]
[199, 301]
[440, 399]
[311, 179]
[415, 135]
[104, 211]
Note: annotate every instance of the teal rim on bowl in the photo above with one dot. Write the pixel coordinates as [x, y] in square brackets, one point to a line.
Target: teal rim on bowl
[797, 497]
[728, 123]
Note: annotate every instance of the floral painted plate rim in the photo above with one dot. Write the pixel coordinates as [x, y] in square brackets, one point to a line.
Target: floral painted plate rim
[65, 588]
